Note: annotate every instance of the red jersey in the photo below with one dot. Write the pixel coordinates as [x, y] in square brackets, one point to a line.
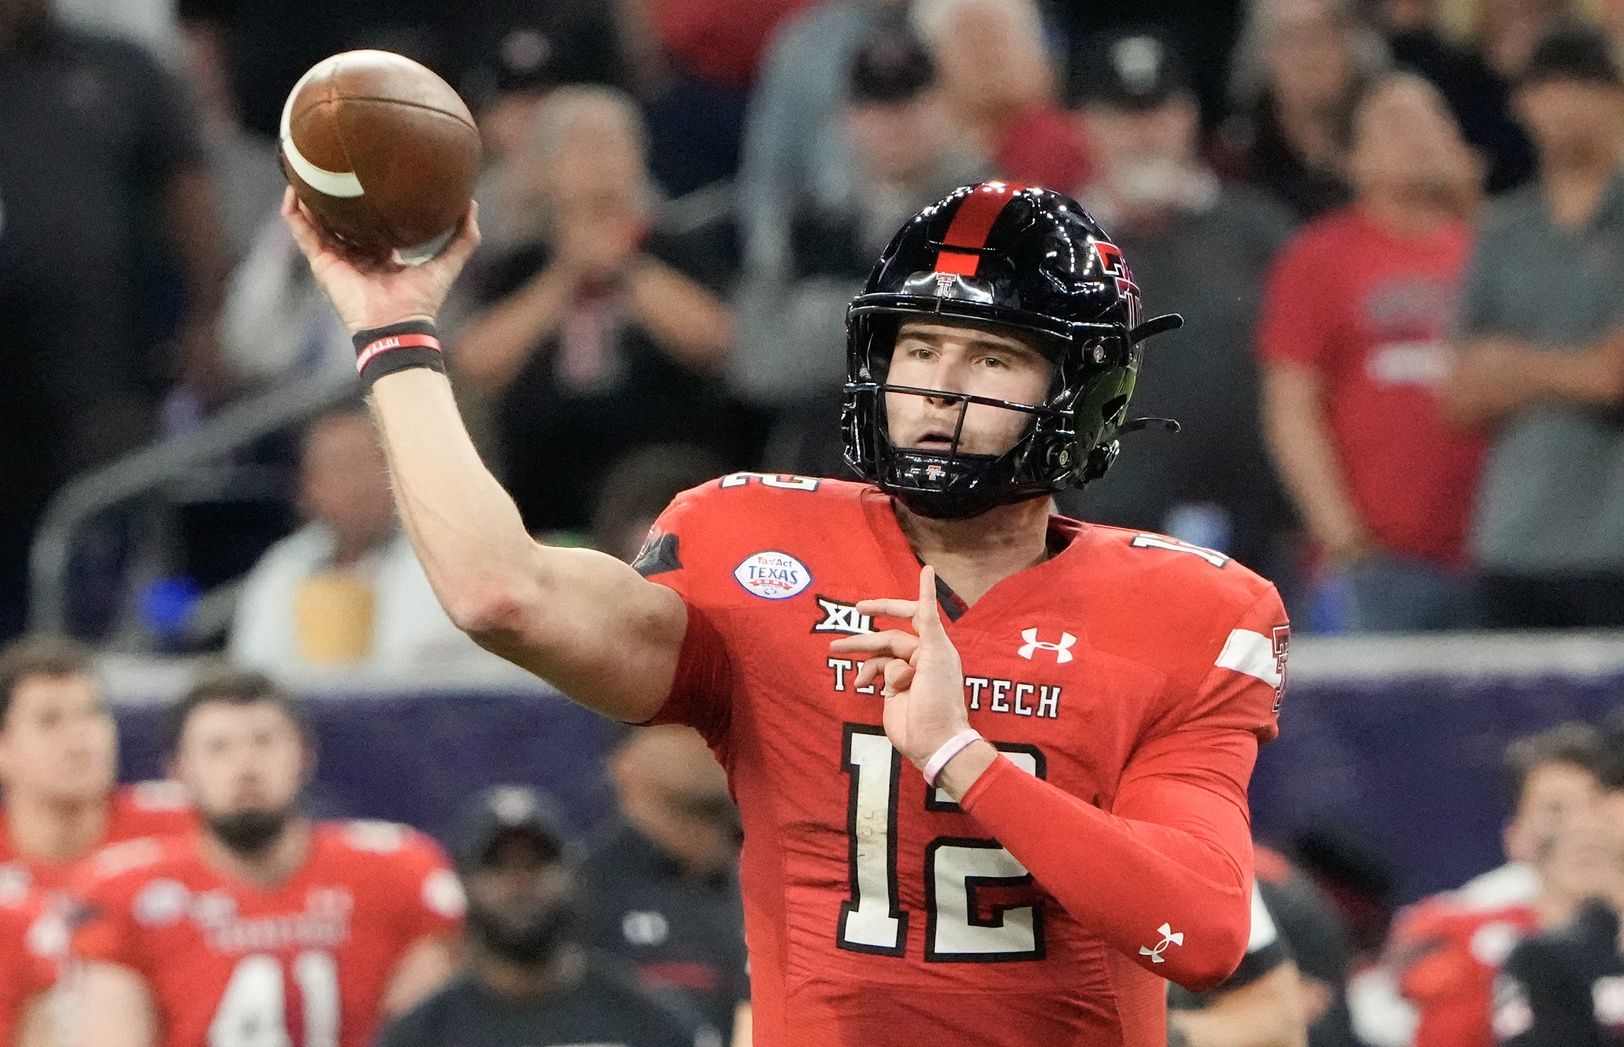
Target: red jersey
[310, 959]
[1129, 677]
[27, 948]
[1448, 956]
[1370, 313]
[137, 811]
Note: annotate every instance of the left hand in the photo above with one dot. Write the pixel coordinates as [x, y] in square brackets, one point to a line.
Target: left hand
[922, 677]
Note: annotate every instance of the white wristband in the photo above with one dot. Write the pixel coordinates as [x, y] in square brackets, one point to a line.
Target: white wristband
[950, 748]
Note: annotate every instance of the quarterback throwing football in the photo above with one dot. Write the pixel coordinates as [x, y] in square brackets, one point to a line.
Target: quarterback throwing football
[992, 763]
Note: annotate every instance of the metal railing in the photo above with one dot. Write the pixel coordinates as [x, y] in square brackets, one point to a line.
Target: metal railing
[85, 498]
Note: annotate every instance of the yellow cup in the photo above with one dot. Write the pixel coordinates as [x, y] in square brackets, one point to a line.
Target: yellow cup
[333, 613]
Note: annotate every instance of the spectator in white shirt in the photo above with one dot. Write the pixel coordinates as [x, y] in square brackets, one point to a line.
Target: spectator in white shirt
[346, 589]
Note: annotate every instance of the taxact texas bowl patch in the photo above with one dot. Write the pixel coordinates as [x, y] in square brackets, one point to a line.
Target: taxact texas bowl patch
[773, 575]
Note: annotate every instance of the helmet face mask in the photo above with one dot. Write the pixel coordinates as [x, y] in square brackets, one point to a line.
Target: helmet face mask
[1025, 261]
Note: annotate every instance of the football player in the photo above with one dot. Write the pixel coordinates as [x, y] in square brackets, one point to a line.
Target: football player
[1096, 697]
[58, 765]
[262, 927]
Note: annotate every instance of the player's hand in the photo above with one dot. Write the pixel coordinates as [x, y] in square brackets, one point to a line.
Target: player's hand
[923, 679]
[379, 290]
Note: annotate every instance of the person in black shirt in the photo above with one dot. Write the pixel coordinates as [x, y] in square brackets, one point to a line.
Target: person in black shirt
[595, 328]
[1565, 988]
[664, 884]
[529, 982]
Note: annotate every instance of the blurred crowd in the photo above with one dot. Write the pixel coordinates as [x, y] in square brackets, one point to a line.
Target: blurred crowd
[1395, 228]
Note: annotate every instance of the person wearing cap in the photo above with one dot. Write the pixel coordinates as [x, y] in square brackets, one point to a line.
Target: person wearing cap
[528, 981]
[1540, 358]
[905, 154]
[1156, 195]
[665, 887]
[1354, 341]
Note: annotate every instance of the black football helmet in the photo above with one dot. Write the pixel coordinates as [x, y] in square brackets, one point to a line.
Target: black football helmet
[1020, 258]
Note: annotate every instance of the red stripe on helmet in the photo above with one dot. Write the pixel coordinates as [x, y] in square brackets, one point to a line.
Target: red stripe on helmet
[959, 263]
[971, 224]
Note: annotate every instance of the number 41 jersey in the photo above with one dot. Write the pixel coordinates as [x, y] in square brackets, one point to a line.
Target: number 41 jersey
[305, 962]
[878, 912]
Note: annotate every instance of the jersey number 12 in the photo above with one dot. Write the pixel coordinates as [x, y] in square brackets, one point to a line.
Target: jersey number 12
[872, 919]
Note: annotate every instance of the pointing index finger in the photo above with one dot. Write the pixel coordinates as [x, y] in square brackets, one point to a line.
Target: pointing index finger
[928, 615]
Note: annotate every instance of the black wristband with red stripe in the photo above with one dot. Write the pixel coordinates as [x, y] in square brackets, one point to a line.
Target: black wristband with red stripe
[397, 347]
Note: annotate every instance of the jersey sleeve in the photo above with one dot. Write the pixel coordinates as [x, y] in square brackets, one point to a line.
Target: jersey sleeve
[1246, 683]
[1296, 325]
[1166, 875]
[700, 695]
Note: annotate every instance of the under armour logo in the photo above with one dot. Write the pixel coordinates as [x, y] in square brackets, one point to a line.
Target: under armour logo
[1168, 938]
[842, 618]
[1061, 650]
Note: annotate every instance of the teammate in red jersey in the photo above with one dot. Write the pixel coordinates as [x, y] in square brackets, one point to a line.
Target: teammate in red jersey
[28, 968]
[58, 761]
[263, 927]
[1094, 835]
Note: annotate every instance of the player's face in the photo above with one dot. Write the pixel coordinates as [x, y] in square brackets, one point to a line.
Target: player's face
[520, 900]
[957, 358]
[1553, 795]
[241, 759]
[58, 740]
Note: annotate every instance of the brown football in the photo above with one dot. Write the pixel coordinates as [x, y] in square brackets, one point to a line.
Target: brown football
[380, 149]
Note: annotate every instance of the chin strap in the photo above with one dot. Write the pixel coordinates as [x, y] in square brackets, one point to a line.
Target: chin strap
[1133, 425]
[1149, 329]
[1154, 326]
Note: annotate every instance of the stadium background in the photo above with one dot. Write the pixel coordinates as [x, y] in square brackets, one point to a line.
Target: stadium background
[135, 513]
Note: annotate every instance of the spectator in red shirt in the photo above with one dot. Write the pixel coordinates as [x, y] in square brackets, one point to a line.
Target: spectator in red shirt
[1353, 342]
[999, 83]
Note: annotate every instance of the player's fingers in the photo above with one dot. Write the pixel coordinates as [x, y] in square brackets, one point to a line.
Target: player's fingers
[899, 676]
[903, 609]
[893, 642]
[456, 253]
[871, 669]
[304, 233]
[927, 617]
